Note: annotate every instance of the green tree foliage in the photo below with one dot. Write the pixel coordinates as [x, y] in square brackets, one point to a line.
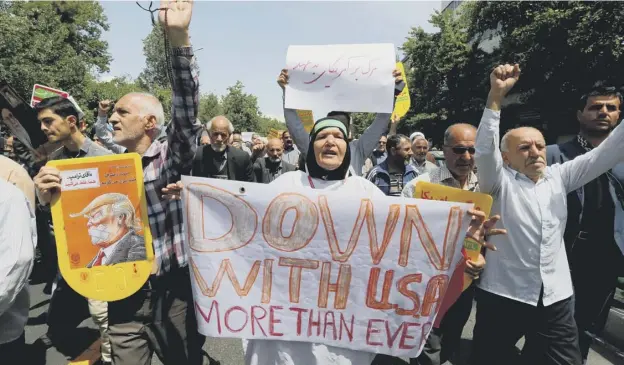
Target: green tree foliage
[154, 74]
[360, 122]
[265, 124]
[241, 108]
[52, 43]
[440, 67]
[209, 107]
[563, 48]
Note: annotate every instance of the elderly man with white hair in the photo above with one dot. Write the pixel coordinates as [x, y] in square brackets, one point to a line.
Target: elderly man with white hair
[420, 147]
[528, 276]
[220, 160]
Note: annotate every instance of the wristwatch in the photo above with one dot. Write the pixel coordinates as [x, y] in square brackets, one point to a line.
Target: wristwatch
[182, 51]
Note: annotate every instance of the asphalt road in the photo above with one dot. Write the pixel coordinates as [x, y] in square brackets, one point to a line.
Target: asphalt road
[227, 351]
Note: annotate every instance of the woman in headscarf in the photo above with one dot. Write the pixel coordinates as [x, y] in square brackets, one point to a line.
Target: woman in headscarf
[328, 168]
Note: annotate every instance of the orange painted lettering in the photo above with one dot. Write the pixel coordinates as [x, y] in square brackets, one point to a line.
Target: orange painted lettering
[341, 287]
[441, 261]
[296, 265]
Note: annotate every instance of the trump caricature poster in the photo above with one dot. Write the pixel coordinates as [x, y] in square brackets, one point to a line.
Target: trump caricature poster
[101, 226]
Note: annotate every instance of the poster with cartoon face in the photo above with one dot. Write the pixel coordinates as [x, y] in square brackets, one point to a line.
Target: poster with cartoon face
[101, 226]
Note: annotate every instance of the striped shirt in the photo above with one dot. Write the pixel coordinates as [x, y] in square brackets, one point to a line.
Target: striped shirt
[441, 176]
[165, 162]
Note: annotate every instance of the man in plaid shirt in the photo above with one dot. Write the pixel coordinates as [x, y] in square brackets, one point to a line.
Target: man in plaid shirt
[160, 317]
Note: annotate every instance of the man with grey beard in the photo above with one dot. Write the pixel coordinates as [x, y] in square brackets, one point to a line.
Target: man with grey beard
[270, 167]
[218, 160]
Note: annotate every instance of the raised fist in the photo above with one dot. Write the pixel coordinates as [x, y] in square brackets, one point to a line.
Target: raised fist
[503, 78]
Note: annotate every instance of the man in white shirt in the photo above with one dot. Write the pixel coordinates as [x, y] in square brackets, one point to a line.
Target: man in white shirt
[18, 237]
[527, 289]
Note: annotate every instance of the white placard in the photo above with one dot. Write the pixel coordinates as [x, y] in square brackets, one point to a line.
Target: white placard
[342, 77]
[319, 266]
[80, 179]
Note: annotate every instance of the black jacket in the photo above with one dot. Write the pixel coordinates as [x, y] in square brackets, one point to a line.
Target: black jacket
[238, 163]
[261, 173]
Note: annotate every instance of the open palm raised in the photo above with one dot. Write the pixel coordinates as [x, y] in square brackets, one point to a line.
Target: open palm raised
[178, 14]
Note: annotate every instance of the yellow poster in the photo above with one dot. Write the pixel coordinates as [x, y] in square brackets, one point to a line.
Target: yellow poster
[102, 230]
[307, 118]
[274, 133]
[402, 105]
[483, 202]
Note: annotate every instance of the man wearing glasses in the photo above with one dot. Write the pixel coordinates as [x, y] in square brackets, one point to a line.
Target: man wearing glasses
[459, 148]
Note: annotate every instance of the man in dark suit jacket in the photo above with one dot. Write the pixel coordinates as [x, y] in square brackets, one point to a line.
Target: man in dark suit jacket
[593, 243]
[269, 168]
[218, 160]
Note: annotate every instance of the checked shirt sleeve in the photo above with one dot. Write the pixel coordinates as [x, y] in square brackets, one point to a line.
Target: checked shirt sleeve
[184, 126]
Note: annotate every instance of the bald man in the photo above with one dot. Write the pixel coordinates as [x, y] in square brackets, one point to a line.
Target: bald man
[271, 166]
[529, 275]
[443, 343]
[218, 160]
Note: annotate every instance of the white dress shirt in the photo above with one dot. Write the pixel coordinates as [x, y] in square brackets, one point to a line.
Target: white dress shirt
[534, 214]
[18, 237]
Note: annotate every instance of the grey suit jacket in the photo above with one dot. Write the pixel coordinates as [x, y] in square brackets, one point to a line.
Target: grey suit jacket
[130, 248]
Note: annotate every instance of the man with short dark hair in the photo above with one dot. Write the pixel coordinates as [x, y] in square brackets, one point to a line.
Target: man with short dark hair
[59, 121]
[391, 175]
[291, 153]
[594, 234]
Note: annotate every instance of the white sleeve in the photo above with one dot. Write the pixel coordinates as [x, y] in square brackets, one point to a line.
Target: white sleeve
[488, 156]
[18, 237]
[587, 167]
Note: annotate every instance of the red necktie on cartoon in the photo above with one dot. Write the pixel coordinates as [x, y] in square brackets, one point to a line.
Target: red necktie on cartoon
[98, 260]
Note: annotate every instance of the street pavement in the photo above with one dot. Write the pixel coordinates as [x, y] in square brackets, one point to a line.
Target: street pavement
[227, 351]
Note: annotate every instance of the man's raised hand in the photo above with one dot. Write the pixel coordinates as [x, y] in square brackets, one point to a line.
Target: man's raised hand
[503, 78]
[282, 79]
[178, 19]
[104, 107]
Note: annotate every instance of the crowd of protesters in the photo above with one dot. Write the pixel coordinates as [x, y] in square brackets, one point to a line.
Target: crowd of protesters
[560, 238]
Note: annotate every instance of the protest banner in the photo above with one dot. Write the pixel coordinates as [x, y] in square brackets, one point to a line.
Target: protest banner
[471, 249]
[402, 104]
[247, 136]
[100, 221]
[307, 119]
[328, 267]
[347, 77]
